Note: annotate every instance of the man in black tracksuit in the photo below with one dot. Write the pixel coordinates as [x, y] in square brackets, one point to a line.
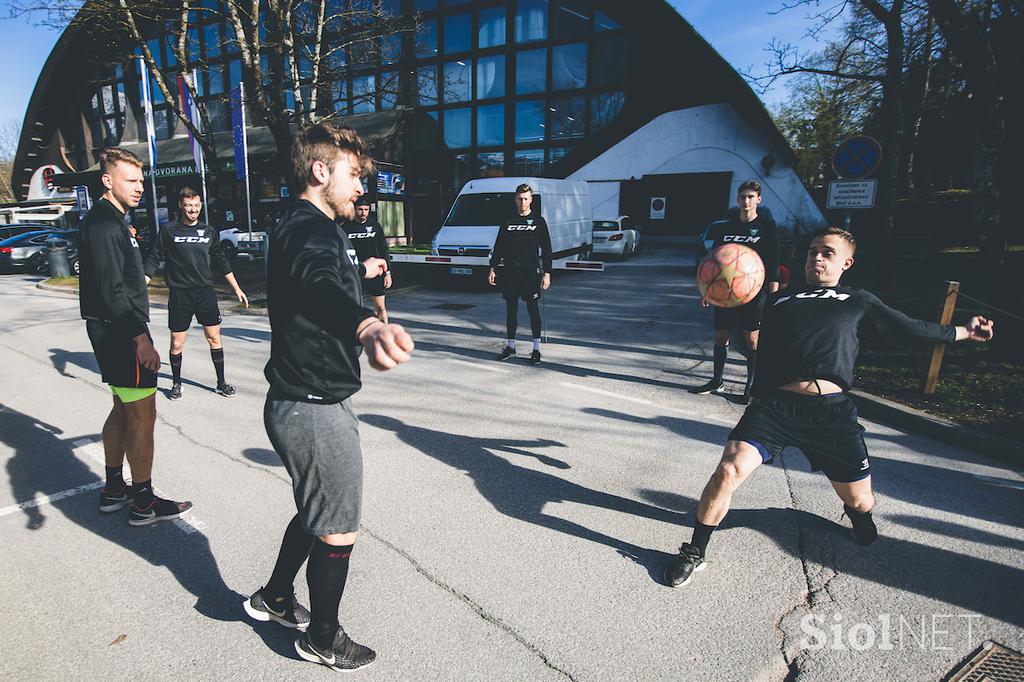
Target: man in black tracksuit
[756, 230]
[319, 327]
[367, 236]
[191, 251]
[521, 268]
[115, 306]
[806, 357]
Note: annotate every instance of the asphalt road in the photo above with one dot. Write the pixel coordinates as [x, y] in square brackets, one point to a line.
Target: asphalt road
[516, 519]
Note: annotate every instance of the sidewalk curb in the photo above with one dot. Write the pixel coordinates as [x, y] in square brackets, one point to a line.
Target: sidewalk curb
[1004, 449]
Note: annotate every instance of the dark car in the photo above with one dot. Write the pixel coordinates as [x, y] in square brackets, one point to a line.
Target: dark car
[25, 252]
[14, 229]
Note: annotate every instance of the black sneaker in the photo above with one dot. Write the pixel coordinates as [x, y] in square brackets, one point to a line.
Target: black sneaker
[226, 390]
[535, 357]
[175, 392]
[344, 654]
[508, 352]
[157, 510]
[712, 386]
[682, 568]
[289, 612]
[111, 501]
[864, 530]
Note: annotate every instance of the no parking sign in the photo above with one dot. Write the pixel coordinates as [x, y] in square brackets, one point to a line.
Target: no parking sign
[657, 208]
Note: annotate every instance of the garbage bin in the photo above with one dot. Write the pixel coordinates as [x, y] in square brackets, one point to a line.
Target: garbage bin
[57, 257]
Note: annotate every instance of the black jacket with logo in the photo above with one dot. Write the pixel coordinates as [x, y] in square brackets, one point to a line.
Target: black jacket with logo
[523, 242]
[190, 254]
[369, 240]
[313, 295]
[811, 333]
[112, 284]
[760, 234]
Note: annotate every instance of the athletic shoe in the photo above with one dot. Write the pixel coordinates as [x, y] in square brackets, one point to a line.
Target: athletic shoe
[112, 501]
[864, 531]
[535, 357]
[682, 568]
[226, 390]
[344, 654]
[713, 386]
[157, 510]
[508, 352]
[175, 392]
[289, 613]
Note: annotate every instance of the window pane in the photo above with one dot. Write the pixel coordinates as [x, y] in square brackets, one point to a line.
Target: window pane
[160, 123]
[457, 83]
[570, 19]
[154, 49]
[388, 90]
[492, 27]
[453, 3]
[531, 20]
[424, 5]
[391, 48]
[363, 91]
[426, 39]
[567, 117]
[216, 75]
[604, 108]
[490, 77]
[609, 61]
[458, 125]
[235, 73]
[220, 115]
[529, 162]
[490, 125]
[602, 22]
[490, 165]
[556, 154]
[531, 71]
[530, 121]
[211, 35]
[426, 81]
[339, 96]
[569, 67]
[169, 47]
[458, 33]
[155, 93]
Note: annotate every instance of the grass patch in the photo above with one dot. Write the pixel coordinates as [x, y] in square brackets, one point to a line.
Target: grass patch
[70, 282]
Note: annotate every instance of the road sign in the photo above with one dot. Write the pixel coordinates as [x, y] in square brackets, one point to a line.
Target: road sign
[857, 157]
[657, 208]
[82, 199]
[847, 194]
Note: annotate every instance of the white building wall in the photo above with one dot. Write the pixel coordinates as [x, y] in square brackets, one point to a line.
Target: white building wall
[708, 138]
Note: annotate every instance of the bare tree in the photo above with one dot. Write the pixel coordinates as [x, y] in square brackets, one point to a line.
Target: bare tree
[10, 132]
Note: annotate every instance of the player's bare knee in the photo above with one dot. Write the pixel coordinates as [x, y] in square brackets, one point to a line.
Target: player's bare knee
[862, 502]
[752, 340]
[339, 539]
[728, 475]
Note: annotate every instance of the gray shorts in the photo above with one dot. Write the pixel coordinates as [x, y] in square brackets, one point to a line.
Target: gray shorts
[319, 445]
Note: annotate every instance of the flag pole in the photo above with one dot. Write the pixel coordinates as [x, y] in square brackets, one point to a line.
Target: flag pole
[202, 155]
[245, 151]
[147, 104]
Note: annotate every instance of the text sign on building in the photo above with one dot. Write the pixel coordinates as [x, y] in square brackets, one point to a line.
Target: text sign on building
[657, 208]
[847, 194]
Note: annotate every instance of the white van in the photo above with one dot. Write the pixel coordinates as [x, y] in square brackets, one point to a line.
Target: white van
[472, 225]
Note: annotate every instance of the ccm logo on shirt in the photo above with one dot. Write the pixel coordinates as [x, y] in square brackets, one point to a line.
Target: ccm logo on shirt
[362, 235]
[191, 240]
[740, 239]
[817, 293]
[514, 228]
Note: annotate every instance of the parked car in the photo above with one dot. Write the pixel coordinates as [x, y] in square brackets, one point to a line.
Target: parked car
[72, 246]
[14, 229]
[235, 241]
[25, 252]
[617, 236]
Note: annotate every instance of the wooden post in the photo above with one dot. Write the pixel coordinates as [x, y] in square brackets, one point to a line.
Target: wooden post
[931, 376]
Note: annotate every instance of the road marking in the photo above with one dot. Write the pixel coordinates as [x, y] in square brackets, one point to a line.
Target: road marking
[478, 365]
[641, 401]
[47, 499]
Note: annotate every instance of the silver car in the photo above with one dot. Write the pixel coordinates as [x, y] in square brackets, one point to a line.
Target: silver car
[618, 237]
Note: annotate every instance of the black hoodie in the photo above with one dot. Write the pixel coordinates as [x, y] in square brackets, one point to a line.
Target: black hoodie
[314, 298]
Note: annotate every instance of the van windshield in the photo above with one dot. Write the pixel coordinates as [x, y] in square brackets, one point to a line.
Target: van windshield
[486, 209]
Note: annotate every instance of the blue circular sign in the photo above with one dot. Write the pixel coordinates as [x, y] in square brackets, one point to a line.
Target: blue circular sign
[857, 157]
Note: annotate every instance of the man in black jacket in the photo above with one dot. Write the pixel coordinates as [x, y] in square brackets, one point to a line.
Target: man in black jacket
[191, 251]
[367, 236]
[807, 353]
[115, 306]
[319, 327]
[521, 268]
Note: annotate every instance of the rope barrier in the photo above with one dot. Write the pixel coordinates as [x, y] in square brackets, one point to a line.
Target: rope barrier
[961, 294]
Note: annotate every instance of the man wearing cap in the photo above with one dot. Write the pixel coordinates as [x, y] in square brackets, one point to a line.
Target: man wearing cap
[367, 236]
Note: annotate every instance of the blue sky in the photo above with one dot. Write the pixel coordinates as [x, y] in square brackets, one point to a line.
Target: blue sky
[739, 29]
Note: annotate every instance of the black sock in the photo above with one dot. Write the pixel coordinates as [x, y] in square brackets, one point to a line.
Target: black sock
[864, 530]
[326, 573]
[701, 536]
[721, 352]
[751, 362]
[115, 479]
[294, 551]
[142, 493]
[218, 363]
[176, 368]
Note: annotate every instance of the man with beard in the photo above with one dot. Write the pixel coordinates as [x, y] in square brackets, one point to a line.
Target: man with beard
[318, 329]
[115, 306]
[367, 236]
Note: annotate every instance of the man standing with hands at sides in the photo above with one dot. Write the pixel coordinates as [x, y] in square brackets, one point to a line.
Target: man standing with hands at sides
[757, 231]
[191, 251]
[808, 350]
[521, 268]
[369, 241]
[115, 306]
[318, 329]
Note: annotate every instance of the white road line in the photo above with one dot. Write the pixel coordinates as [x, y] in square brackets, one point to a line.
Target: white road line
[640, 401]
[47, 499]
[478, 365]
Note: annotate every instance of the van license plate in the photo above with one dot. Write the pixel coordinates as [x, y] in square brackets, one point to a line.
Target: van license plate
[461, 271]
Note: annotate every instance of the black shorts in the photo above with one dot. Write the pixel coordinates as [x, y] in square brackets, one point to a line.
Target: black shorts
[374, 287]
[183, 304]
[824, 428]
[521, 283]
[746, 316]
[115, 354]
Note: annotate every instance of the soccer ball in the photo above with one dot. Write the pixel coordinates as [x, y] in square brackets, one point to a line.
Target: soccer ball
[731, 275]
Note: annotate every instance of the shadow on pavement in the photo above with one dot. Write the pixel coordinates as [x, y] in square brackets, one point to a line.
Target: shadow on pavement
[262, 456]
[688, 428]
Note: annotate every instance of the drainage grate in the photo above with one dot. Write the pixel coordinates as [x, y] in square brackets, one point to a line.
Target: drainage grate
[452, 306]
[993, 662]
